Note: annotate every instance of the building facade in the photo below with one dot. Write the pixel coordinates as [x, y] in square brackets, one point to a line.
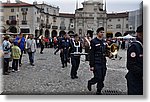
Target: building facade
[90, 17]
[45, 19]
[117, 24]
[35, 19]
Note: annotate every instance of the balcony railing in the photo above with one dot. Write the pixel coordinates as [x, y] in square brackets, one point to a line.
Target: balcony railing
[24, 22]
[54, 27]
[48, 26]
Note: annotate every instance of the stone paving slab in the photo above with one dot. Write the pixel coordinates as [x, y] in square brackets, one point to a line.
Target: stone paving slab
[47, 76]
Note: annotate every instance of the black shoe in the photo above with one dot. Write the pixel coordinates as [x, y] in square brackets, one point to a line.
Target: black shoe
[41, 52]
[6, 73]
[76, 77]
[98, 93]
[89, 86]
[72, 77]
[63, 66]
[32, 64]
[54, 53]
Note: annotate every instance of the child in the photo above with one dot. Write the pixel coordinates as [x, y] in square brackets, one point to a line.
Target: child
[16, 53]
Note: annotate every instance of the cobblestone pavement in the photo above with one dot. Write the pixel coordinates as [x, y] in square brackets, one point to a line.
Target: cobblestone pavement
[47, 76]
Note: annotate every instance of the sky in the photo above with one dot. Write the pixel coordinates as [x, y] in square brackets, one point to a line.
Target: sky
[68, 6]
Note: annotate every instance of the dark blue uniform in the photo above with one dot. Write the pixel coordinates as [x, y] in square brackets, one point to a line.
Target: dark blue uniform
[64, 45]
[75, 59]
[135, 68]
[98, 61]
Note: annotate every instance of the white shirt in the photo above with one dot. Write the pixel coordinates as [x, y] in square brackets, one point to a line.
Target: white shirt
[31, 44]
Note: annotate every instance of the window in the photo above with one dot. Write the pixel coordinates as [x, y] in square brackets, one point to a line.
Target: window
[12, 10]
[1, 18]
[90, 15]
[80, 15]
[127, 26]
[38, 19]
[54, 19]
[24, 9]
[127, 19]
[54, 12]
[118, 26]
[12, 17]
[109, 26]
[71, 20]
[118, 19]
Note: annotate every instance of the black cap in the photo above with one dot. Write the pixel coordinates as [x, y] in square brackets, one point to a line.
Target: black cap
[100, 29]
[139, 29]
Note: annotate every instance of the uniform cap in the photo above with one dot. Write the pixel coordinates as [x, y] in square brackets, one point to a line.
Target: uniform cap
[139, 29]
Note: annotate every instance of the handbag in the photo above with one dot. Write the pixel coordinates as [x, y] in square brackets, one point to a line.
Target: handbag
[29, 50]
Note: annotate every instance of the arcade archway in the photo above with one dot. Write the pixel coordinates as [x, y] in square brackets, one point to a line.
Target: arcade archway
[47, 34]
[62, 32]
[54, 33]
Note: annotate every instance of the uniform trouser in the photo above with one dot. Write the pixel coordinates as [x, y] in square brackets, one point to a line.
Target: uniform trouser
[75, 61]
[87, 50]
[31, 57]
[20, 57]
[6, 65]
[135, 85]
[99, 76]
[15, 64]
[64, 57]
[42, 47]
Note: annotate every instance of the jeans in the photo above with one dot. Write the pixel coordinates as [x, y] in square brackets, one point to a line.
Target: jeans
[31, 57]
[15, 64]
[6, 65]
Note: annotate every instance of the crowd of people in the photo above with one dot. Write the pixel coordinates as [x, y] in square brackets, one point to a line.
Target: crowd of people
[13, 50]
[97, 49]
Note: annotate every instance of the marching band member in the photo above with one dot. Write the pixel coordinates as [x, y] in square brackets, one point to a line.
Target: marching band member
[64, 48]
[76, 47]
[98, 61]
[135, 65]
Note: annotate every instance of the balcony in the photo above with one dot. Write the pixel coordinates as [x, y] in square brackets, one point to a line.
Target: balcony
[24, 22]
[43, 25]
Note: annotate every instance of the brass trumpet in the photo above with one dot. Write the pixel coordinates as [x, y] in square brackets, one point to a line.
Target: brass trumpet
[112, 50]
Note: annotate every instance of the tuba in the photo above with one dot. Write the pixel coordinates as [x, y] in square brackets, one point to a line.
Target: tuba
[112, 50]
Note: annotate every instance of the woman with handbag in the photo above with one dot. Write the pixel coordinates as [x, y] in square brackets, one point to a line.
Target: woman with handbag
[31, 48]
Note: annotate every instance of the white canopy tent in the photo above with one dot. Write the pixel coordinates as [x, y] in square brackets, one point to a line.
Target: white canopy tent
[126, 37]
